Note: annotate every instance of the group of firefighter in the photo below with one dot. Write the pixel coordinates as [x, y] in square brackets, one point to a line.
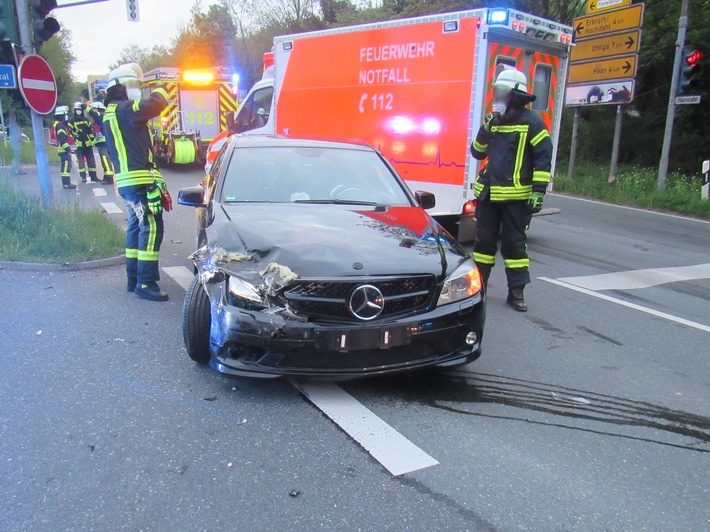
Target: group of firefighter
[513, 142]
[85, 127]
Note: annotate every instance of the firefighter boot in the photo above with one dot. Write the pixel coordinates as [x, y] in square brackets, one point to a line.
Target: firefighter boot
[516, 299]
[67, 184]
[150, 291]
[131, 284]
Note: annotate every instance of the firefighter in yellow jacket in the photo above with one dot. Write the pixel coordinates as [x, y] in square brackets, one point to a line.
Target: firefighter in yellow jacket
[129, 142]
[83, 133]
[512, 186]
[61, 133]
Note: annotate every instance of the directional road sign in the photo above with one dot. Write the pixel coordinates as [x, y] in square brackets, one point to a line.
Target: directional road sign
[602, 47]
[8, 80]
[687, 100]
[609, 22]
[37, 84]
[596, 6]
[616, 68]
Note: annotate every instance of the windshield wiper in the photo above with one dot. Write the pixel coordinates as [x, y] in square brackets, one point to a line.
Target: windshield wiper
[339, 202]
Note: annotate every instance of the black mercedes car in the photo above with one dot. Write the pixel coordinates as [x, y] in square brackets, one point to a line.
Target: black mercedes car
[315, 259]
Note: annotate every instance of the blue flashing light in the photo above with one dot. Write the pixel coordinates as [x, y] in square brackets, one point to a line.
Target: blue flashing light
[498, 16]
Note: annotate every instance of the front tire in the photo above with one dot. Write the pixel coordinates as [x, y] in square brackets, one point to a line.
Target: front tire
[196, 322]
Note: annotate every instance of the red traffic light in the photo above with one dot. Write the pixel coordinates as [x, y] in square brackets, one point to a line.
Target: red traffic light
[694, 56]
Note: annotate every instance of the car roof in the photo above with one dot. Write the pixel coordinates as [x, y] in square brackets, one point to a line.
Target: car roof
[268, 141]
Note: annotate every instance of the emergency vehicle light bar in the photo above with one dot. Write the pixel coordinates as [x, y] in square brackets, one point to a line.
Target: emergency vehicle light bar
[498, 16]
[197, 77]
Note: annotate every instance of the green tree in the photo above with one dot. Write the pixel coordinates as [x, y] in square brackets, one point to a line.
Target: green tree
[147, 58]
[207, 39]
[58, 52]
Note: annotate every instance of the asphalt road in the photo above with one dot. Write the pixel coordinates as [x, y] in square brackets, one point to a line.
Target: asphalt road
[590, 412]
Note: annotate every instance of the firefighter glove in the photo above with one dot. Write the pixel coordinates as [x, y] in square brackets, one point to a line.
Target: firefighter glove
[490, 120]
[155, 200]
[535, 202]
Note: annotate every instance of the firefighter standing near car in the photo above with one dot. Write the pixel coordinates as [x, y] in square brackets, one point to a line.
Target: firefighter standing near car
[61, 134]
[83, 133]
[512, 186]
[96, 112]
[129, 142]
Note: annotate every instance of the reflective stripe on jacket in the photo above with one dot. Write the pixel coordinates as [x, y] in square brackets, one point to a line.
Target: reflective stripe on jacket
[60, 131]
[519, 152]
[82, 131]
[129, 139]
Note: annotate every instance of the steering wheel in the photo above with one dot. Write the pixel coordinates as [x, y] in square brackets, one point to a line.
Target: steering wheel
[361, 193]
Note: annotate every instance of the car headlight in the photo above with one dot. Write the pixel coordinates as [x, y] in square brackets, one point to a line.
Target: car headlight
[245, 295]
[463, 283]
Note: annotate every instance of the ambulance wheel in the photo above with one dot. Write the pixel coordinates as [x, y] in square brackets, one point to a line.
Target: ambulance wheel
[196, 321]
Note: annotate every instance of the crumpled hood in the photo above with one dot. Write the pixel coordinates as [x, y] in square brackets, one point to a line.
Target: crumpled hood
[326, 241]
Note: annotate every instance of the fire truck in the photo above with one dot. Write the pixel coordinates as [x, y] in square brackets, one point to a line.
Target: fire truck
[416, 89]
[200, 102]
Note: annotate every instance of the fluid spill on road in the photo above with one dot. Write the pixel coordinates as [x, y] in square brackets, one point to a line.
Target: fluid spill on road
[607, 415]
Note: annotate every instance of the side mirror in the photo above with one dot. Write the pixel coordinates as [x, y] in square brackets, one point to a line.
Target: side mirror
[192, 197]
[426, 200]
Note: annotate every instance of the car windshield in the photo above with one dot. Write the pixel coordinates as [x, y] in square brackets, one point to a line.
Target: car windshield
[289, 174]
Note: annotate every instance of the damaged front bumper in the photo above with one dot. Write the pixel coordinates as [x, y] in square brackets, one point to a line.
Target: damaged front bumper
[272, 344]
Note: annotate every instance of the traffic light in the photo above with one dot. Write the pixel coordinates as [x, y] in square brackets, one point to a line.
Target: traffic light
[8, 26]
[44, 26]
[689, 70]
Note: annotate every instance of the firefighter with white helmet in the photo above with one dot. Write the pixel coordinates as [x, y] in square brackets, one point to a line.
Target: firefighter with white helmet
[96, 112]
[61, 134]
[83, 133]
[513, 183]
[129, 142]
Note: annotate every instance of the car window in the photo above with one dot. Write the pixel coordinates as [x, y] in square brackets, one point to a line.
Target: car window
[255, 111]
[300, 174]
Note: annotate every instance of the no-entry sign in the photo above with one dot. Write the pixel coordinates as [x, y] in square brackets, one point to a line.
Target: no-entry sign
[37, 84]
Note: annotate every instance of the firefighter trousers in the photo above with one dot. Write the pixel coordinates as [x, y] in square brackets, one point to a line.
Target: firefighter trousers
[144, 235]
[509, 220]
[85, 159]
[106, 165]
[65, 167]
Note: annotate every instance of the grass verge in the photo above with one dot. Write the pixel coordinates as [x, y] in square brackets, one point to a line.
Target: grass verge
[31, 233]
[27, 153]
[636, 186]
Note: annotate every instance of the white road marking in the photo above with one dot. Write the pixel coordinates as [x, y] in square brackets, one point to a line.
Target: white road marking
[652, 312]
[637, 209]
[180, 274]
[633, 279]
[112, 208]
[39, 84]
[99, 192]
[395, 452]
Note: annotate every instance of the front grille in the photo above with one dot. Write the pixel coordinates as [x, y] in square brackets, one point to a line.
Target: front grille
[329, 299]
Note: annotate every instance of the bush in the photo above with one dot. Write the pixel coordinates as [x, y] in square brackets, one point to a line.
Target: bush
[636, 186]
[27, 153]
[31, 233]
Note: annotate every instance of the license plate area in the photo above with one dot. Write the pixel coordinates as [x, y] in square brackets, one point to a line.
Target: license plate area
[358, 339]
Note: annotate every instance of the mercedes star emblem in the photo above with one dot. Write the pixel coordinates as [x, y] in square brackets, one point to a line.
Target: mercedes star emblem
[366, 302]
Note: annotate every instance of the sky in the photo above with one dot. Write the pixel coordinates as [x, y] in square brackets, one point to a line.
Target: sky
[100, 31]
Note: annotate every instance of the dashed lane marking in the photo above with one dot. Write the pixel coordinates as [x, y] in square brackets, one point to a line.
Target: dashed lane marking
[112, 208]
[395, 452]
[652, 312]
[633, 279]
[99, 192]
[180, 274]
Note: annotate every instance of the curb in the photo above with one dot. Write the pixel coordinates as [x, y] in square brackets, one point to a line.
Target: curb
[61, 266]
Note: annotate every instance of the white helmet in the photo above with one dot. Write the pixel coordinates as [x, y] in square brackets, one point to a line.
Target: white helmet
[126, 74]
[98, 105]
[78, 106]
[511, 79]
[61, 110]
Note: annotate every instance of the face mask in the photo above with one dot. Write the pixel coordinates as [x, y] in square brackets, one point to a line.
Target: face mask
[133, 93]
[79, 113]
[499, 107]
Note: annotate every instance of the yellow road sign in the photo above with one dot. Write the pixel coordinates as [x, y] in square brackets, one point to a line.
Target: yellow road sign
[623, 67]
[595, 6]
[628, 18]
[609, 46]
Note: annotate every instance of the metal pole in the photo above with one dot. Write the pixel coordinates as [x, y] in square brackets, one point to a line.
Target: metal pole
[41, 156]
[615, 146]
[670, 115]
[573, 145]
